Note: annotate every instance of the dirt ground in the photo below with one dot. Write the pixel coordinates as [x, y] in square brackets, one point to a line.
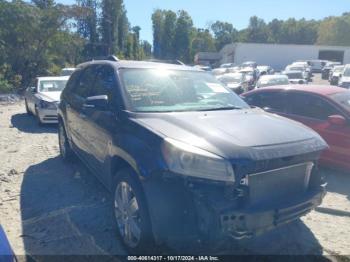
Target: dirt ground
[49, 207]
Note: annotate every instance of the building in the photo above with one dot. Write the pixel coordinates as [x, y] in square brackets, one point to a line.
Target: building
[280, 55]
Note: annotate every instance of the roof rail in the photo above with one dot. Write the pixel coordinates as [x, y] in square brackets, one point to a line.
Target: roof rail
[175, 61]
[109, 57]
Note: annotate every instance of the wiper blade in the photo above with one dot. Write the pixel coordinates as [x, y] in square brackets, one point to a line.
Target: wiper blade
[222, 108]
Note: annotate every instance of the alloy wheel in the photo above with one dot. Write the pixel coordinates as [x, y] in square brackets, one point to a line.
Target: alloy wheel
[127, 214]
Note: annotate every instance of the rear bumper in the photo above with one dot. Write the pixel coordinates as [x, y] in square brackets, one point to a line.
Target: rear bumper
[48, 116]
[249, 222]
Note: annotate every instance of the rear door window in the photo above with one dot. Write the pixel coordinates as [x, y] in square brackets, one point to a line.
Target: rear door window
[83, 86]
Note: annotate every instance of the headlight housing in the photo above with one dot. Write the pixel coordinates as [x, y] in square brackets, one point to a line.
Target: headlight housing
[191, 161]
[47, 105]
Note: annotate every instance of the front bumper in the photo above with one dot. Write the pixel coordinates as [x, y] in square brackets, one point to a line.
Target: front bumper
[212, 214]
[48, 116]
[249, 222]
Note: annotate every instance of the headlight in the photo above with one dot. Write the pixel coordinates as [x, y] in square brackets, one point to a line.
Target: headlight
[47, 105]
[188, 160]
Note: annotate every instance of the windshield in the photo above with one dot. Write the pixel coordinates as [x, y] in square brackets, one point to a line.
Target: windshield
[342, 98]
[347, 71]
[273, 81]
[155, 90]
[338, 69]
[295, 75]
[52, 85]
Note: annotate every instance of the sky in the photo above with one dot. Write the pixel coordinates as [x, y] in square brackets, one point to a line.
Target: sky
[236, 12]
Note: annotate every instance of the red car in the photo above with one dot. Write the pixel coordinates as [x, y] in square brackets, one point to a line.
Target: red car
[326, 109]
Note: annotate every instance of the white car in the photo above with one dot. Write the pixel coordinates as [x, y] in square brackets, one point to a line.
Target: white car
[42, 99]
[295, 77]
[344, 77]
[272, 80]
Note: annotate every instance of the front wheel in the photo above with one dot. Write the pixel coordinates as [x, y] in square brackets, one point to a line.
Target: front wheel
[27, 108]
[65, 149]
[131, 214]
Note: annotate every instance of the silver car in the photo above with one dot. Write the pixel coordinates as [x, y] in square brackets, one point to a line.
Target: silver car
[42, 99]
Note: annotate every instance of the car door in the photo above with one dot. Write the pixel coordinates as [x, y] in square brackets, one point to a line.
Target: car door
[313, 111]
[76, 120]
[101, 123]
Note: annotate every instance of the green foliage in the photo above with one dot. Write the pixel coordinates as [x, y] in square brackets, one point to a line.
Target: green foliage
[33, 39]
[224, 34]
[335, 31]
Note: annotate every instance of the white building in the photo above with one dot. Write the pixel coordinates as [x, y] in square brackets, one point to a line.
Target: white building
[280, 55]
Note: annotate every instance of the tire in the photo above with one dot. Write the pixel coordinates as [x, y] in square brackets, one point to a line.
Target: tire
[37, 117]
[27, 108]
[131, 211]
[66, 151]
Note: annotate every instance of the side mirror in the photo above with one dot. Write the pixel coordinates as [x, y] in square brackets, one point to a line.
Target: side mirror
[97, 102]
[32, 89]
[337, 120]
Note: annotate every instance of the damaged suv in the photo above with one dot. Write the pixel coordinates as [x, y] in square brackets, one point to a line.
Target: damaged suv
[184, 156]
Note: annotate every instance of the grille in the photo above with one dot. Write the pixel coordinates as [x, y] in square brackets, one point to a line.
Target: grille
[278, 184]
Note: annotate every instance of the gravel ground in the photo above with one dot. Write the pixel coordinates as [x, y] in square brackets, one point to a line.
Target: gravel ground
[49, 207]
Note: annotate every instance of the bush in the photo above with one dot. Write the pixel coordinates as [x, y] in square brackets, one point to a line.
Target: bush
[5, 86]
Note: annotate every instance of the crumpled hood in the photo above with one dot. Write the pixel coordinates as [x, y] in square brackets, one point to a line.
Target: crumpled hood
[236, 133]
[50, 96]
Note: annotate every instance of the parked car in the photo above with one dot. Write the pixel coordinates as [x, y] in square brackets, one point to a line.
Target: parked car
[249, 64]
[251, 76]
[185, 157]
[326, 109]
[227, 65]
[317, 65]
[67, 71]
[219, 71]
[303, 66]
[234, 81]
[295, 77]
[344, 77]
[204, 67]
[43, 98]
[334, 75]
[327, 69]
[305, 74]
[272, 80]
[265, 70]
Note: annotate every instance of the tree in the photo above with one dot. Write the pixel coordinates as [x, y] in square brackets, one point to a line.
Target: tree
[256, 31]
[202, 41]
[168, 35]
[224, 34]
[157, 22]
[335, 31]
[183, 36]
[87, 26]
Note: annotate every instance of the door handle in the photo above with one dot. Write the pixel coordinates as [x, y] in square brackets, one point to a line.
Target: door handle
[88, 106]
